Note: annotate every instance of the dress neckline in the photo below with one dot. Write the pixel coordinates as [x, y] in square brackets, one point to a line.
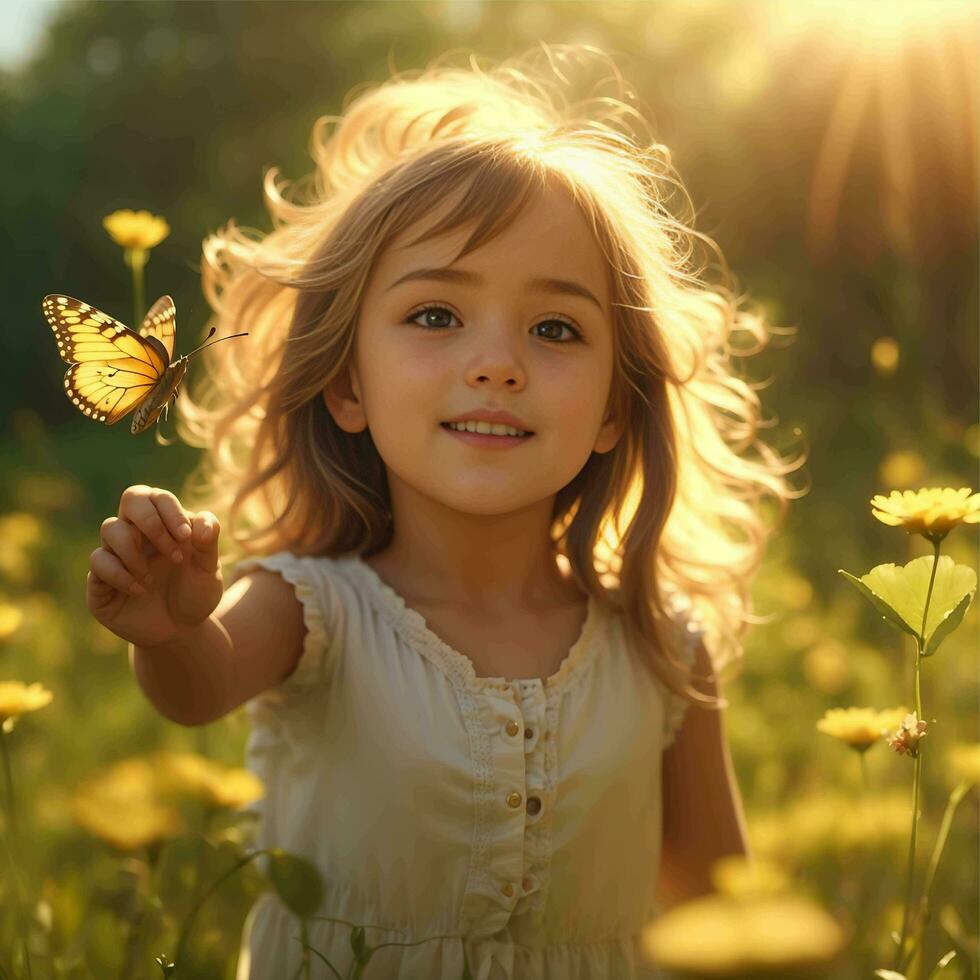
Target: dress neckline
[412, 624]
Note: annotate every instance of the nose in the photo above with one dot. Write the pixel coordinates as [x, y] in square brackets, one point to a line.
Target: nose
[497, 363]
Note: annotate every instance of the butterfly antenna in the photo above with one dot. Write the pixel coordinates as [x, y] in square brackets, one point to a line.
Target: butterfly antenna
[210, 334]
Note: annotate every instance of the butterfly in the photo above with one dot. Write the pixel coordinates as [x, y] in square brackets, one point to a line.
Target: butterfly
[115, 369]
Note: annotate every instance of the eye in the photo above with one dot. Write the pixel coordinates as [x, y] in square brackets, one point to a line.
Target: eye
[577, 335]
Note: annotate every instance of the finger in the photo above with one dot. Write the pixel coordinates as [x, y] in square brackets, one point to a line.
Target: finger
[158, 520]
[111, 571]
[177, 520]
[205, 540]
[97, 588]
[98, 594]
[123, 539]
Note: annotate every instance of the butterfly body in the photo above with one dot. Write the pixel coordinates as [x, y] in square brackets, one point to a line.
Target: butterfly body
[149, 410]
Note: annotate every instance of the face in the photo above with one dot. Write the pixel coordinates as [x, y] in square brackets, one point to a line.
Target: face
[487, 342]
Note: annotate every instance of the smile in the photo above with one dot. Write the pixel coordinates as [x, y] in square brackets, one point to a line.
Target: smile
[486, 440]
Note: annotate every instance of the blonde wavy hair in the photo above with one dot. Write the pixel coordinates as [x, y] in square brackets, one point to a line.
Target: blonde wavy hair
[673, 512]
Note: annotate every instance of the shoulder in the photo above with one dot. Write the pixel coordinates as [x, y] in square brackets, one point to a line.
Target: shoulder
[283, 608]
[285, 573]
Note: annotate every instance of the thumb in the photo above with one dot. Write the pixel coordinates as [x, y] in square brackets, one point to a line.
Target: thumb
[204, 539]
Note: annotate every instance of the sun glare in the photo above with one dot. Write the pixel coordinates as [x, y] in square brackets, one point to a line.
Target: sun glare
[899, 69]
[872, 24]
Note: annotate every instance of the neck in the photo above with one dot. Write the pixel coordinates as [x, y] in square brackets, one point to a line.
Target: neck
[488, 564]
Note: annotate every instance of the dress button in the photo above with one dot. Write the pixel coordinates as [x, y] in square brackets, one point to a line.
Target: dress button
[528, 732]
[512, 727]
[508, 889]
[533, 804]
[514, 799]
[527, 884]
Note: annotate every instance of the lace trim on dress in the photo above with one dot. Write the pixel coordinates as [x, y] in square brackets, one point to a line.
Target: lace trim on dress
[412, 625]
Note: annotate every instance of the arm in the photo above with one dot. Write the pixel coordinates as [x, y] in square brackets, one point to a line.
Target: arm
[252, 641]
[703, 818]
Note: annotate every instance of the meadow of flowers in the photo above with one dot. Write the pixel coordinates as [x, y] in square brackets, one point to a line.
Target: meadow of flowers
[127, 841]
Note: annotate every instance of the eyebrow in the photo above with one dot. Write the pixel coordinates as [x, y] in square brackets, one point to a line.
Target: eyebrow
[545, 284]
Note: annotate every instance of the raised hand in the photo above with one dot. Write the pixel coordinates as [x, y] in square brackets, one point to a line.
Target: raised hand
[137, 586]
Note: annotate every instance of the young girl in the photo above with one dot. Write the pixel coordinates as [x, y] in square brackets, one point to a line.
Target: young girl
[482, 459]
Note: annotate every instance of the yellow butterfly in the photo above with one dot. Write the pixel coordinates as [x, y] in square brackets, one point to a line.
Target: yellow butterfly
[115, 369]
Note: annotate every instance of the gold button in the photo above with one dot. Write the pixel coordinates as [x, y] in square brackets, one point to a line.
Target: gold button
[528, 732]
[512, 727]
[533, 804]
[508, 889]
[527, 884]
[514, 799]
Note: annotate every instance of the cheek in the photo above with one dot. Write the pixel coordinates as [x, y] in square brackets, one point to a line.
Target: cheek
[572, 400]
[403, 386]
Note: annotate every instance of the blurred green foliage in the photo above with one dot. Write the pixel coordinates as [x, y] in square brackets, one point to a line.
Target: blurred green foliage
[179, 108]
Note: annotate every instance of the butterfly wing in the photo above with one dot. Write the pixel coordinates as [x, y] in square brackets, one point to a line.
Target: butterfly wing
[161, 323]
[113, 368]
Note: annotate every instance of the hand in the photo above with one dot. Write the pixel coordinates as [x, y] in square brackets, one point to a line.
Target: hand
[142, 541]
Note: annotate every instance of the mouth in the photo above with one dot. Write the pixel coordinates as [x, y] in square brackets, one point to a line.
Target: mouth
[486, 439]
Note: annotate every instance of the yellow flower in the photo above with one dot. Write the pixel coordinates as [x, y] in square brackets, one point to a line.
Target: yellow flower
[930, 511]
[216, 784]
[137, 230]
[737, 876]
[11, 618]
[827, 665]
[884, 355]
[19, 533]
[963, 760]
[122, 805]
[830, 824]
[902, 468]
[17, 698]
[859, 727]
[723, 936]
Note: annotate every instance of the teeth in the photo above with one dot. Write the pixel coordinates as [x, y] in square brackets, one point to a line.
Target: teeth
[486, 428]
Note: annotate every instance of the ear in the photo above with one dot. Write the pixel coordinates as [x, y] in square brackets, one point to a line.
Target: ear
[610, 433]
[343, 400]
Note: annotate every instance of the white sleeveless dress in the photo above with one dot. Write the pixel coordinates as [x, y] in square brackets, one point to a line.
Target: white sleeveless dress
[516, 823]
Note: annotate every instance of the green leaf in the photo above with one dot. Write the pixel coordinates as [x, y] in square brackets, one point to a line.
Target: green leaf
[297, 882]
[899, 594]
[947, 625]
[887, 612]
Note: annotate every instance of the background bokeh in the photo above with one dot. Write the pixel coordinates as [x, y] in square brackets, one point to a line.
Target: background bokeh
[830, 150]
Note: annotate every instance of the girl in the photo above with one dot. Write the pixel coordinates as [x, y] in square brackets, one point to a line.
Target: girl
[482, 461]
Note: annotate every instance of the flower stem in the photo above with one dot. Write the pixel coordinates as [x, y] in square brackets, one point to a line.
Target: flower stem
[19, 915]
[901, 956]
[136, 260]
[135, 925]
[922, 912]
[192, 915]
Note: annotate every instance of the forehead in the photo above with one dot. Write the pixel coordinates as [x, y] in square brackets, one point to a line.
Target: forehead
[548, 237]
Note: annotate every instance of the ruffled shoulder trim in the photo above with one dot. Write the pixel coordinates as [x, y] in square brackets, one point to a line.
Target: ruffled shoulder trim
[302, 573]
[689, 630]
